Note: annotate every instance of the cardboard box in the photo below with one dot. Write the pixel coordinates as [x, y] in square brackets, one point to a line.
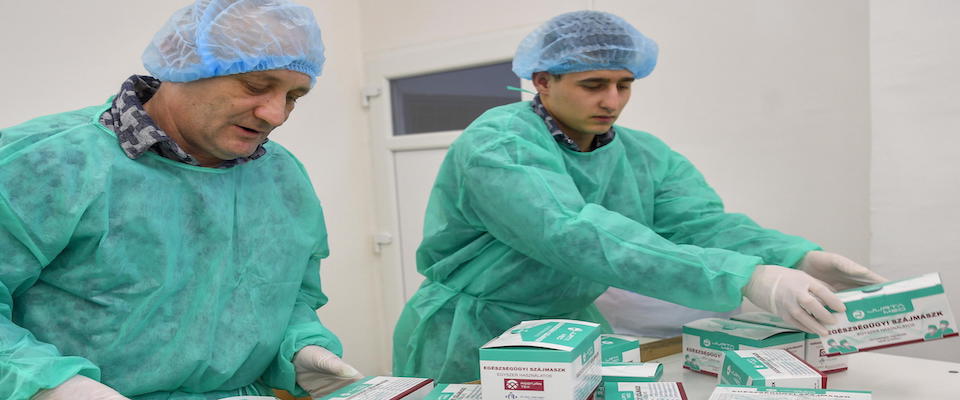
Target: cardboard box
[645, 391]
[627, 372]
[384, 388]
[619, 348]
[551, 359]
[813, 353]
[456, 392]
[891, 314]
[769, 367]
[654, 348]
[705, 340]
[728, 392]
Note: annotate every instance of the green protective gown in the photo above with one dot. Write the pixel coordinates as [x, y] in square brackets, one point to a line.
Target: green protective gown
[160, 279]
[518, 228]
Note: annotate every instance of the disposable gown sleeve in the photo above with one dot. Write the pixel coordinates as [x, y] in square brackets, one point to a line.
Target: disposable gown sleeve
[521, 194]
[688, 211]
[304, 329]
[28, 365]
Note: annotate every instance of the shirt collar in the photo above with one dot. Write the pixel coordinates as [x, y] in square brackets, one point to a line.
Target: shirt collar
[562, 138]
[137, 133]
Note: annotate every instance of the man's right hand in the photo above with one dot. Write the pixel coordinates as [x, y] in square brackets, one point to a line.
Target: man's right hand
[795, 296]
[79, 388]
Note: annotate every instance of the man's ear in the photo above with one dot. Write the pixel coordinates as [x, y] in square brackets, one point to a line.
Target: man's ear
[541, 81]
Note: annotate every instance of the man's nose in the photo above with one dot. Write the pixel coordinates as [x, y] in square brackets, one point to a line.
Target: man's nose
[611, 101]
[273, 110]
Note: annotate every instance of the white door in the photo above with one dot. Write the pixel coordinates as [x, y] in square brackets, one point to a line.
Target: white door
[405, 164]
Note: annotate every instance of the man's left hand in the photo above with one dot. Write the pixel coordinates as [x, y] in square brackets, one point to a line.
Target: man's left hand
[321, 372]
[838, 271]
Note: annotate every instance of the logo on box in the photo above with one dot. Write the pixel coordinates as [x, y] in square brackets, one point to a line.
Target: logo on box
[523, 384]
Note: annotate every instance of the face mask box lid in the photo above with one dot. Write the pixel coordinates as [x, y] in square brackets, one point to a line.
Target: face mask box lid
[769, 367]
[384, 388]
[619, 348]
[705, 340]
[813, 352]
[729, 392]
[890, 314]
[550, 359]
[644, 390]
[455, 392]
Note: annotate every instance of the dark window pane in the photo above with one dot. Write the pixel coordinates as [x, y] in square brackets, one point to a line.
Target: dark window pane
[447, 101]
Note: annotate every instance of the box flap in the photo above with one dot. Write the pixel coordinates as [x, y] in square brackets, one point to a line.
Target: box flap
[555, 334]
[736, 328]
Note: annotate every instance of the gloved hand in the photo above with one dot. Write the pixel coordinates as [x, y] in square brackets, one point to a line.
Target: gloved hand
[837, 271]
[321, 372]
[79, 388]
[795, 296]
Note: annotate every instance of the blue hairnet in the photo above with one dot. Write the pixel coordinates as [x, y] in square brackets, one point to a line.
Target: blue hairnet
[224, 37]
[585, 41]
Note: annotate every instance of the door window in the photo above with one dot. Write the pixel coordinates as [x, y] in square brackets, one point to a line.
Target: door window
[449, 100]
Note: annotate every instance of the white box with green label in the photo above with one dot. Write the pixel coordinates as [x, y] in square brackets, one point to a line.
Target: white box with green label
[645, 391]
[730, 392]
[384, 388]
[891, 314]
[705, 340]
[627, 372]
[769, 367]
[456, 392]
[813, 353]
[619, 348]
[550, 359]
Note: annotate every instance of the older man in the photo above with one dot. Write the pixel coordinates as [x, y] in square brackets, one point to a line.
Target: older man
[158, 246]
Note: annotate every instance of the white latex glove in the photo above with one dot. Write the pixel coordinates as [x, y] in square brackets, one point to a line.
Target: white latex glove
[795, 296]
[79, 388]
[837, 271]
[321, 372]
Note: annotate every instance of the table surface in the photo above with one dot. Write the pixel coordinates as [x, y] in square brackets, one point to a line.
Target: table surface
[889, 377]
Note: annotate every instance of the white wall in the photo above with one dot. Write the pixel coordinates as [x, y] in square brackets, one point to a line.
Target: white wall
[399, 24]
[66, 55]
[770, 100]
[915, 171]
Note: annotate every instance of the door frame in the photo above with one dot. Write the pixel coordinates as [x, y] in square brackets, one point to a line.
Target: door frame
[381, 67]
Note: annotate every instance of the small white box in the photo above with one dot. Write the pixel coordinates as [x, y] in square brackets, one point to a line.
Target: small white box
[769, 367]
[891, 314]
[384, 388]
[550, 359]
[813, 353]
[627, 372]
[456, 392]
[619, 348]
[705, 340]
[645, 391]
[727, 392]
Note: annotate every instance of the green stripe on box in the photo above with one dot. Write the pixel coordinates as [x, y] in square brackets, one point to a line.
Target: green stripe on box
[891, 304]
[526, 354]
